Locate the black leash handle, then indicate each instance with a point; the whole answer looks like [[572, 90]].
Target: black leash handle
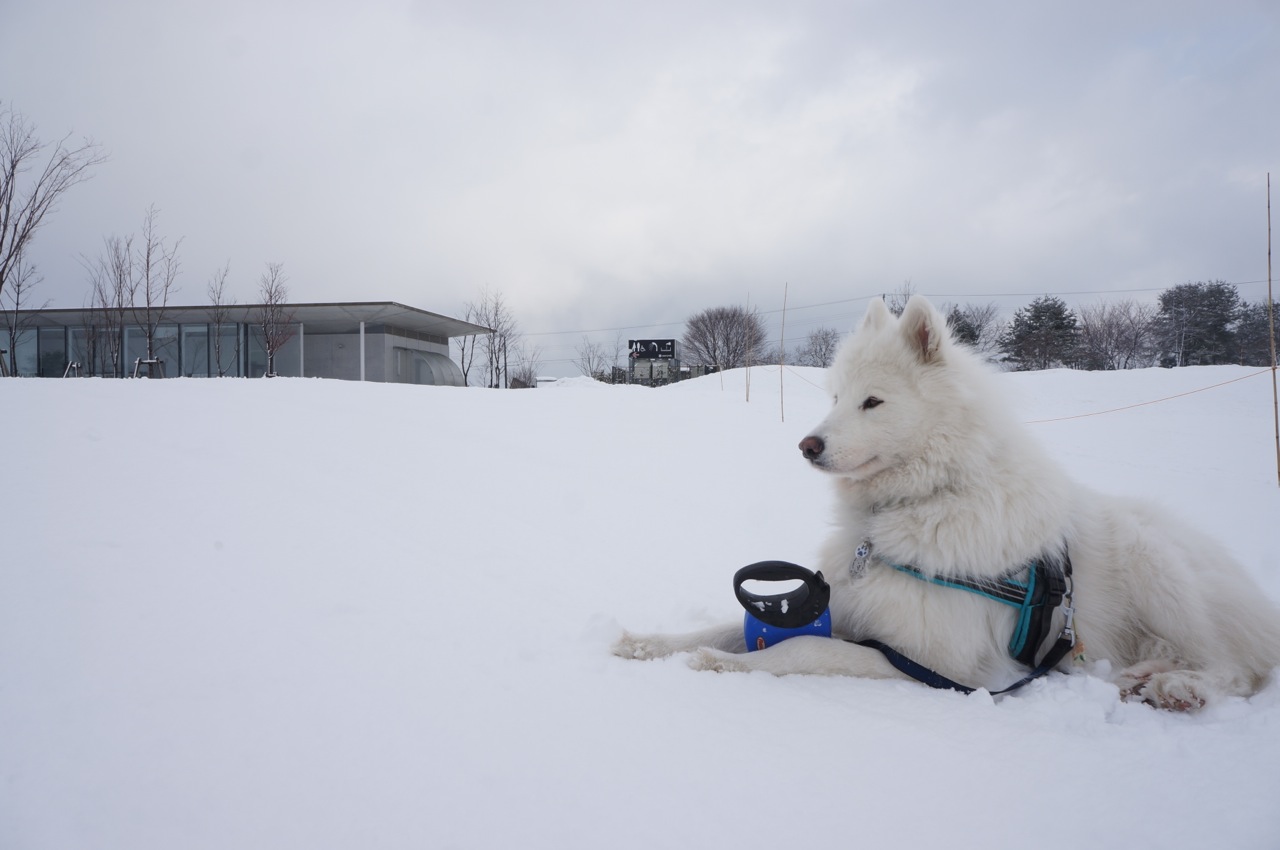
[[790, 610]]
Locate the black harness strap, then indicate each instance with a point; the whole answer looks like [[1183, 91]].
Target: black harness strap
[[934, 679]]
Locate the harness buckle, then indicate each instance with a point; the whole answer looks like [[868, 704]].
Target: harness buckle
[[1068, 626]]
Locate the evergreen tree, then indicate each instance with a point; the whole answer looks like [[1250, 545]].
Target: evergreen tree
[[1252, 330], [1196, 323], [977, 326], [963, 330], [1042, 335]]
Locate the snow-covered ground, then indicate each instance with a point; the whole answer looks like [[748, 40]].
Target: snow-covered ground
[[316, 614]]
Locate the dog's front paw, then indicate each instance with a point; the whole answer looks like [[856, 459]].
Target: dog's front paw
[[640, 647], [717, 661]]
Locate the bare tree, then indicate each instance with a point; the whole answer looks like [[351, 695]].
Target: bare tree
[[275, 320], [499, 346], [89, 353], [155, 271], [467, 345], [725, 337], [1137, 334], [131, 283], [27, 197], [592, 360], [111, 279], [773, 355], [618, 372], [528, 365], [222, 303], [897, 300], [22, 280], [1118, 336], [819, 348]]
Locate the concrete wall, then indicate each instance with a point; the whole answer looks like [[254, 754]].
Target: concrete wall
[[337, 356], [400, 365], [332, 356]]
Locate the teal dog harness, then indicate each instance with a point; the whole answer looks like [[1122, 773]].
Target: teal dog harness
[[1035, 590], [1034, 598]]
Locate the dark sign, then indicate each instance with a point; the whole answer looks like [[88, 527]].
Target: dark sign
[[652, 349]]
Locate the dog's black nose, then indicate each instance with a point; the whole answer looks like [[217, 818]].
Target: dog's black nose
[[812, 447]]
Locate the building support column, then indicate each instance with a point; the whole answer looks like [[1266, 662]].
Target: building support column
[[302, 350], [362, 351]]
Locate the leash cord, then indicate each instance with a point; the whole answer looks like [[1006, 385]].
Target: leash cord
[[934, 679]]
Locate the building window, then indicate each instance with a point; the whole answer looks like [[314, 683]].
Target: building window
[[164, 347], [288, 359], [24, 359], [224, 351], [195, 351], [89, 348], [53, 352]]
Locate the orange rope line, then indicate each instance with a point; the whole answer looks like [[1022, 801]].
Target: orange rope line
[[1153, 401], [1096, 412], [796, 374]]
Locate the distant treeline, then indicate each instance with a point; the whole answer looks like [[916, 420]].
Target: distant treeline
[[1192, 324]]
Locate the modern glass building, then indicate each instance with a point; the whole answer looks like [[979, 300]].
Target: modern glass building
[[367, 341]]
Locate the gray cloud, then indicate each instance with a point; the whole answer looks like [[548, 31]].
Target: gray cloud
[[607, 165]]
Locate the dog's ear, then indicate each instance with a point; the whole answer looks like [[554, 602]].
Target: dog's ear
[[923, 328], [877, 316]]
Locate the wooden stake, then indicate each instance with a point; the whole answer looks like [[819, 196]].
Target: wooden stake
[[1271, 321], [782, 353], [747, 373]]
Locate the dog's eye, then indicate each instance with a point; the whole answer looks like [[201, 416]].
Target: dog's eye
[[871, 401]]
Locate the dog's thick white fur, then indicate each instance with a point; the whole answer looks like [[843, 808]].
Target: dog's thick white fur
[[932, 468]]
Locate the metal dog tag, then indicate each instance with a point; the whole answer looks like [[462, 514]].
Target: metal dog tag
[[859, 563]]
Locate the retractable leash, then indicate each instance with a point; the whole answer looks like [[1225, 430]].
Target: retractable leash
[[771, 619], [804, 611]]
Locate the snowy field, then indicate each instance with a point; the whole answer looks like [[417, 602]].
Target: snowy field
[[316, 614]]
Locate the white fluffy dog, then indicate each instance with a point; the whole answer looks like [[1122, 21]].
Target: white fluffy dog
[[933, 472]]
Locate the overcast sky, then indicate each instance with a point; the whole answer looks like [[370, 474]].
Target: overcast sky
[[609, 165]]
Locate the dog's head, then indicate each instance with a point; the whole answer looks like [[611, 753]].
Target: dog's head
[[890, 393]]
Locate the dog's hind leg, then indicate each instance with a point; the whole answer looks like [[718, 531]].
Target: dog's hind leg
[[804, 654], [726, 638], [1161, 684], [1175, 690]]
